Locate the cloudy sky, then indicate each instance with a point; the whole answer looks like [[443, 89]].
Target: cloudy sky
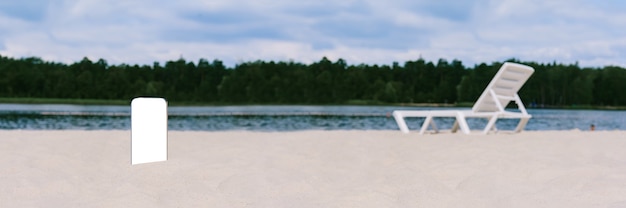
[[592, 33]]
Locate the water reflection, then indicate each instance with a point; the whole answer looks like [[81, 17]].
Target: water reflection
[[281, 118]]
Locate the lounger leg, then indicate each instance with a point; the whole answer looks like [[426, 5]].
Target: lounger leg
[[491, 124], [427, 121], [522, 124], [434, 125], [462, 123], [401, 123], [455, 126]]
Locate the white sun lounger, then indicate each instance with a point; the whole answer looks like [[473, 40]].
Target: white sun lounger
[[491, 104]]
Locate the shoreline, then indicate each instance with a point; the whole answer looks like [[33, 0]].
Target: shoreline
[[75, 101], [312, 168]]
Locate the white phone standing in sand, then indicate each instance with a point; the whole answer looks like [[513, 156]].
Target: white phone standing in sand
[[148, 130]]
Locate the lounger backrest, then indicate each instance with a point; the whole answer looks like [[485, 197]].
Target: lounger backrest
[[505, 84]]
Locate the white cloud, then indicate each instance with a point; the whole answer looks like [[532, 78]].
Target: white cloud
[[365, 31]]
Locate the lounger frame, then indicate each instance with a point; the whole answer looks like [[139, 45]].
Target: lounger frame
[[491, 105]]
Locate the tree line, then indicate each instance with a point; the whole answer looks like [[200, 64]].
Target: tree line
[[321, 82]]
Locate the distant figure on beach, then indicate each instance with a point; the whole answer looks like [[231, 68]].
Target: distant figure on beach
[[593, 127]]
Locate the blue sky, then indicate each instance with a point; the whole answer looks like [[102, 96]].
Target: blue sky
[[368, 31]]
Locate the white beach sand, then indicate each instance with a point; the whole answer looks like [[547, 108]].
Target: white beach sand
[[316, 169]]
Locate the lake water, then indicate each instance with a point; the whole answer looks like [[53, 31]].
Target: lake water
[[282, 118]]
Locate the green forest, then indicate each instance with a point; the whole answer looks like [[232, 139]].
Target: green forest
[[321, 82]]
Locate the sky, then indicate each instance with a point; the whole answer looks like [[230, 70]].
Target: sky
[[590, 33]]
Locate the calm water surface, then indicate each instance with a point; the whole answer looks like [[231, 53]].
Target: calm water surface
[[281, 118]]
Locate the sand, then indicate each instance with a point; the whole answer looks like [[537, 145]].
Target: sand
[[316, 169]]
